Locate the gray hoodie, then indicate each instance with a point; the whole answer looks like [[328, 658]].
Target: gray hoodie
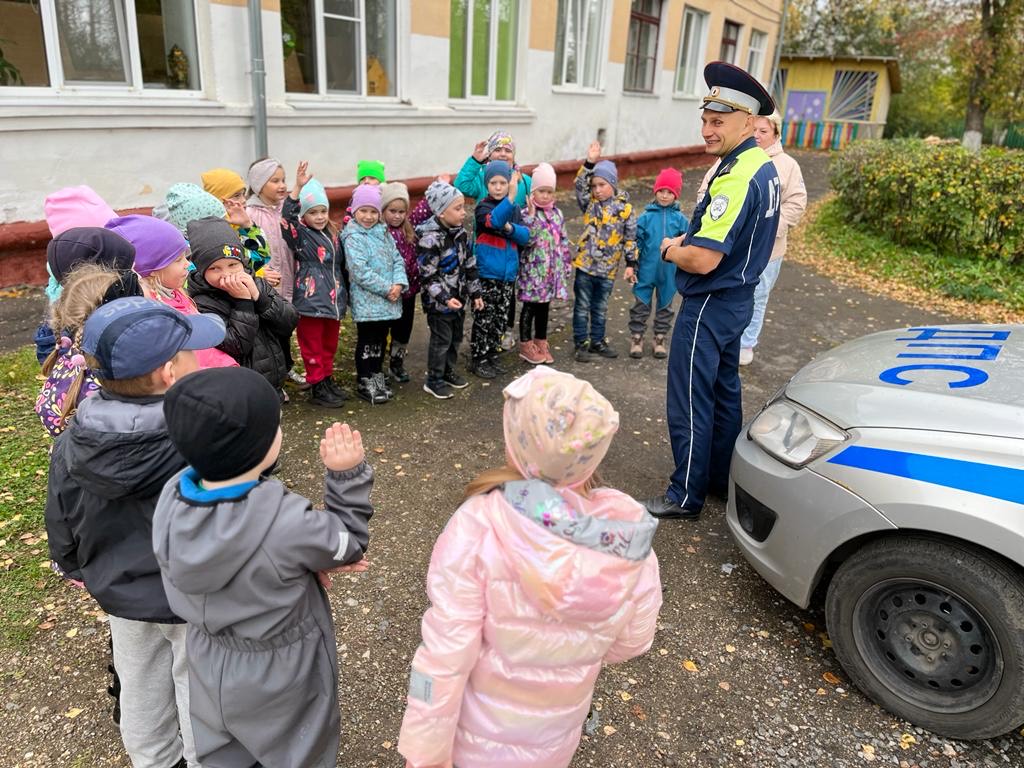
[[246, 565]]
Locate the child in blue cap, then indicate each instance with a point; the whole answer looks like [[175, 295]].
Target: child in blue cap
[[106, 473]]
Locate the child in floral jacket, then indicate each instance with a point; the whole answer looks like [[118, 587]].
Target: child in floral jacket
[[609, 236], [545, 266]]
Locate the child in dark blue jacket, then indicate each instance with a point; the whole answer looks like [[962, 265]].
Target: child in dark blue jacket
[[499, 233], [660, 219]]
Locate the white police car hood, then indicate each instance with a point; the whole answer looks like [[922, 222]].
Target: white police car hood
[[955, 378]]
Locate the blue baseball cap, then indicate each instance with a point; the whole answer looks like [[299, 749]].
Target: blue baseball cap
[[134, 336]]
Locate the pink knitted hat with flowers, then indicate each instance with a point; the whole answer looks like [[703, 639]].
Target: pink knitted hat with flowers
[[557, 427]]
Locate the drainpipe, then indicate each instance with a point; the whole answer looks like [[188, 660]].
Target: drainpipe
[[778, 50], [259, 78]]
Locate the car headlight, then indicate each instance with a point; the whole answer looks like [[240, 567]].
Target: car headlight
[[793, 435]]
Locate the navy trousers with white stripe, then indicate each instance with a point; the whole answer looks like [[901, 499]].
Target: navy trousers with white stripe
[[705, 412]]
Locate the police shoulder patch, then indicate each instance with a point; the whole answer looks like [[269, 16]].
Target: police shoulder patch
[[719, 204]]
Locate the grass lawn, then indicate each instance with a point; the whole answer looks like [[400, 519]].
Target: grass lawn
[[24, 459], [989, 290]]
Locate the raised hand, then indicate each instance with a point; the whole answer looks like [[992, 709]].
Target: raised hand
[[302, 175], [594, 151], [513, 184], [235, 213], [480, 151], [341, 447], [445, 178]]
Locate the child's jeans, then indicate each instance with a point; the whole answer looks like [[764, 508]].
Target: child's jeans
[[590, 307], [764, 287], [445, 338], [318, 343], [156, 727]]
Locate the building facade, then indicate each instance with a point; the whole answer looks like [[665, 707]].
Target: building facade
[[131, 96]]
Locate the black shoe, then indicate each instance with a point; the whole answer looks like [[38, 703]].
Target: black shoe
[[439, 389], [337, 389], [665, 508], [370, 390], [397, 369], [583, 353], [321, 394], [484, 369], [495, 362], [382, 385], [603, 350], [455, 381]]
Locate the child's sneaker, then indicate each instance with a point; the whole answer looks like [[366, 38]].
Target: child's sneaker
[[746, 355], [529, 352], [397, 367], [321, 394], [455, 381], [544, 349], [636, 345], [370, 390], [603, 350], [483, 368], [337, 389], [660, 350], [583, 353], [439, 389], [299, 379]]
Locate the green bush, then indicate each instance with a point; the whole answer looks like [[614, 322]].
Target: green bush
[[942, 195]]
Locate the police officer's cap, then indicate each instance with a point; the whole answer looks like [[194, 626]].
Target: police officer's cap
[[733, 90]]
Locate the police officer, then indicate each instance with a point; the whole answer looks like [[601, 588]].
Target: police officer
[[719, 261]]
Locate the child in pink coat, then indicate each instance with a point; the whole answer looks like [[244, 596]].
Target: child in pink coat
[[539, 579]]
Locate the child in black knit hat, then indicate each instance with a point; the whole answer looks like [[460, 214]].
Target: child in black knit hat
[[243, 560]]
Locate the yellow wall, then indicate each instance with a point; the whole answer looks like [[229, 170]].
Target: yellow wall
[[266, 5], [818, 76], [543, 18], [430, 17]]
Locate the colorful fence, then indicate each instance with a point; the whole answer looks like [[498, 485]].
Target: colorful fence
[[826, 135]]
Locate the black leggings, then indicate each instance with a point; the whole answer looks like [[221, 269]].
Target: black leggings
[[533, 320], [369, 352], [401, 329]]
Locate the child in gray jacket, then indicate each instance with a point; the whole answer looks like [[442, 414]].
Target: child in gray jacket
[[243, 560]]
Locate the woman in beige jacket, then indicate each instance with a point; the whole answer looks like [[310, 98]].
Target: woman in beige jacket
[[767, 132]]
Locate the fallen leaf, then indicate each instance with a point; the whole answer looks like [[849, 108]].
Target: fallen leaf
[[662, 652], [71, 632], [808, 627], [386, 745], [906, 740], [689, 666], [378, 450], [762, 633], [821, 692], [691, 550], [45, 625], [74, 712], [609, 730], [625, 696], [724, 686], [740, 742], [831, 679], [730, 648], [639, 713]]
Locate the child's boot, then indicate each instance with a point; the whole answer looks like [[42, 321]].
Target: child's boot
[[660, 350], [583, 352], [544, 350], [482, 368], [336, 388], [321, 394], [397, 363], [604, 350], [636, 345], [529, 351]]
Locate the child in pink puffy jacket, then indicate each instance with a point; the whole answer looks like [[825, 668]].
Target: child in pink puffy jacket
[[539, 579]]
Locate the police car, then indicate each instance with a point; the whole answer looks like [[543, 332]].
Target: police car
[[889, 474]]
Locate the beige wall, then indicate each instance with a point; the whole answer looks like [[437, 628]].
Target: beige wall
[[430, 17]]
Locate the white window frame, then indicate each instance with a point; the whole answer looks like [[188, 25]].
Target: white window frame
[[322, 94], [702, 47], [759, 52], [134, 88], [492, 67], [739, 39], [602, 55]]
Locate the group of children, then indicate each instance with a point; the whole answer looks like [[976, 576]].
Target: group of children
[[170, 339]]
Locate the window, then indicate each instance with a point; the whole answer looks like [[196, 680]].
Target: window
[[579, 43], [642, 45], [129, 43], [358, 54], [478, 29], [755, 54], [692, 45], [853, 95], [730, 42]]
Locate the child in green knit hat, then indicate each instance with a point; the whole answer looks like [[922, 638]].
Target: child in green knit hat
[[370, 172]]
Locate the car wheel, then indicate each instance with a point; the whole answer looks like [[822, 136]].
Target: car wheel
[[933, 631]]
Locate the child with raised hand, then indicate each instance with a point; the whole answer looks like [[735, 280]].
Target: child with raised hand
[[394, 201], [609, 237], [449, 280], [267, 190], [540, 577], [376, 281], [259, 322], [106, 473], [660, 219], [499, 234], [162, 264], [228, 187], [545, 266], [243, 560], [320, 296]]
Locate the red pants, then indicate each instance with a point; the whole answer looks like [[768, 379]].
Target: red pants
[[318, 342]]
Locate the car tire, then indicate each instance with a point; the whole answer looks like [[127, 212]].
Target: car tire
[[933, 631]]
